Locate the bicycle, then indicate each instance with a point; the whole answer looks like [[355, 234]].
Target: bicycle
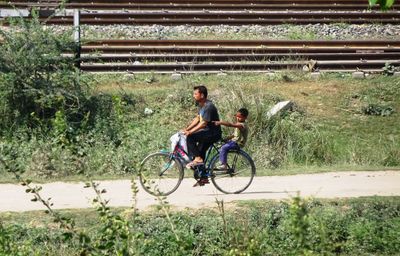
[[162, 172]]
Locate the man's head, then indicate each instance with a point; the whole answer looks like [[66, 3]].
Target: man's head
[[200, 93], [242, 114]]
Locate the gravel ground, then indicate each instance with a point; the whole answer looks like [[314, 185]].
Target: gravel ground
[[310, 32], [337, 31]]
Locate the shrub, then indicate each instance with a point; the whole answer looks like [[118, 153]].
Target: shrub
[[377, 109], [298, 139], [361, 226], [36, 79]]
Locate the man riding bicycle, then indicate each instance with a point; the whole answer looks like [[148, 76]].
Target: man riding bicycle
[[162, 172], [202, 132]]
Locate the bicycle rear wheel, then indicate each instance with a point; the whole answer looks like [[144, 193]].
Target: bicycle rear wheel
[[237, 177], [161, 174]]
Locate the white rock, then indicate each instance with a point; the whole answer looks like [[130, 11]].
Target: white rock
[[358, 75], [14, 12], [176, 76], [148, 111], [315, 75], [279, 107]]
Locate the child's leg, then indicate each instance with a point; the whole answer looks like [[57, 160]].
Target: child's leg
[[223, 154]]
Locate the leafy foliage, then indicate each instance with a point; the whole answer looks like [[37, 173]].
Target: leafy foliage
[[364, 226], [384, 4], [389, 69], [36, 78], [377, 110]]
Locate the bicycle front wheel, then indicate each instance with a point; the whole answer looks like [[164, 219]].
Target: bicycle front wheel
[[161, 174], [238, 175]]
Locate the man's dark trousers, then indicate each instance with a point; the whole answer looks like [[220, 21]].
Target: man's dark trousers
[[198, 142]]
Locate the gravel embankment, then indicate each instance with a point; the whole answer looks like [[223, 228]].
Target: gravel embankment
[[339, 31], [310, 32]]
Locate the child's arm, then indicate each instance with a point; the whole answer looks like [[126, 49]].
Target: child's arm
[[224, 123]]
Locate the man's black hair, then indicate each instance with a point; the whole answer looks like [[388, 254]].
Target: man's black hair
[[202, 89], [244, 112]]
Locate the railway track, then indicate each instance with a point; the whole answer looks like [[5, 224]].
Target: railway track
[[227, 18], [170, 18], [211, 56], [197, 4], [207, 12]]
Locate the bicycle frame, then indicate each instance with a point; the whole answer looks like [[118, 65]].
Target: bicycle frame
[[175, 161], [210, 155], [177, 153]]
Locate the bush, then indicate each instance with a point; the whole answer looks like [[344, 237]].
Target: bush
[[363, 226], [36, 79], [51, 124], [377, 110]]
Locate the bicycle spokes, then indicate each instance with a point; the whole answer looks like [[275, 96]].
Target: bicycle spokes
[[167, 166], [238, 175], [160, 174]]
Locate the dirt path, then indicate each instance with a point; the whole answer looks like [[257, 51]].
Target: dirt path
[[326, 185]]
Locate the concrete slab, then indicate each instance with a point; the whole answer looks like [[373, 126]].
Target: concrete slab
[[358, 75], [279, 107], [176, 76], [315, 75], [14, 12]]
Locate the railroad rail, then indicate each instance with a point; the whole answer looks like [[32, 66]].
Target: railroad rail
[[217, 18], [210, 56], [213, 56], [200, 4], [230, 18], [210, 12]]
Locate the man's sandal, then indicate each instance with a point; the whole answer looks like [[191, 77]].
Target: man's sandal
[[192, 164]]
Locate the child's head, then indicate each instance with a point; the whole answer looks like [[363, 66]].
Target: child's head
[[241, 114]]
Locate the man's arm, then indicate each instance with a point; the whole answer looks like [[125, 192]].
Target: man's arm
[[198, 126], [194, 122]]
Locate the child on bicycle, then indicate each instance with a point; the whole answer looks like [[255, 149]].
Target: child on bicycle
[[237, 139]]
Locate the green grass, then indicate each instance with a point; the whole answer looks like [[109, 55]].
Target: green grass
[[327, 103], [86, 218], [358, 226], [326, 131]]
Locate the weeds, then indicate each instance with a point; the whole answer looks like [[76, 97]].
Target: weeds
[[377, 110], [36, 81], [114, 237], [118, 135], [295, 227], [392, 157], [390, 69]]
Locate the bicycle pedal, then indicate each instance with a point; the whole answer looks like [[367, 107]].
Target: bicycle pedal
[[198, 184], [201, 182], [204, 181]]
